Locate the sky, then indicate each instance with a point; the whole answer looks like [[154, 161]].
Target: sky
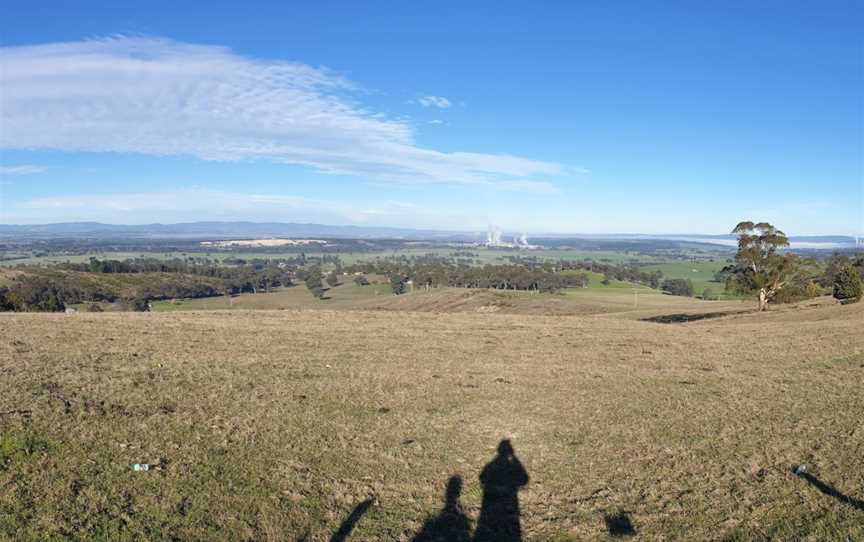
[[553, 117]]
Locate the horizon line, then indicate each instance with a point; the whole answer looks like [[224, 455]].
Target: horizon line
[[410, 228]]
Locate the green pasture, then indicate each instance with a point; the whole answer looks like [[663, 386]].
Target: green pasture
[[701, 273], [636, 301], [617, 296], [485, 255], [595, 282]]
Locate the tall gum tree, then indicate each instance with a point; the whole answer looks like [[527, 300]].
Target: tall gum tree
[[760, 267]]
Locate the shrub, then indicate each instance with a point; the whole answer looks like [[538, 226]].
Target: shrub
[[35, 294], [792, 293], [847, 285], [397, 284], [682, 287], [5, 303], [138, 303], [317, 291], [813, 290]]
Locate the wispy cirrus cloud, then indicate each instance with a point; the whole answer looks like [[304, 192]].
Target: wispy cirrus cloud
[[21, 170], [171, 200], [162, 97], [434, 101]]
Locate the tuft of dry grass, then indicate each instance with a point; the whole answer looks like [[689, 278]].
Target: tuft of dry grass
[[276, 425]]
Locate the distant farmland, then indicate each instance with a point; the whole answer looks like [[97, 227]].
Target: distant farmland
[[630, 300]]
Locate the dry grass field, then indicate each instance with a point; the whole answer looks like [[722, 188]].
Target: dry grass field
[[325, 425]]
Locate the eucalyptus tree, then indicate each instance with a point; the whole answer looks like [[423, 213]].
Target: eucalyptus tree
[[760, 267]]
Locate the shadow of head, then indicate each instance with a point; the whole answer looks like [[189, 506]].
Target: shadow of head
[[505, 448], [619, 524], [451, 524], [452, 493]]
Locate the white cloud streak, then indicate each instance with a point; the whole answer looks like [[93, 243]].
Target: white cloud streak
[[176, 200], [161, 97], [435, 101], [21, 170]]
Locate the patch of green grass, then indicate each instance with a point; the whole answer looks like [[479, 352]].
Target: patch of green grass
[[14, 444], [595, 282], [30, 259], [637, 301], [700, 273]]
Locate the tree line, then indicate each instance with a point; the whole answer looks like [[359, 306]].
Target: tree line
[[610, 271], [434, 274], [238, 276], [135, 282], [43, 289]]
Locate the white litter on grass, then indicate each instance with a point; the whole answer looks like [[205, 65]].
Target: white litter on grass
[[138, 467]]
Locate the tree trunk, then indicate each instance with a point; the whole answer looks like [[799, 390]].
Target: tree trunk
[[763, 300]]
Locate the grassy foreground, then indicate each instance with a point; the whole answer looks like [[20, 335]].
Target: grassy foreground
[[286, 425]]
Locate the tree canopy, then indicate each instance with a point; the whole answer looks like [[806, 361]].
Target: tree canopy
[[760, 268], [848, 286], [682, 287]]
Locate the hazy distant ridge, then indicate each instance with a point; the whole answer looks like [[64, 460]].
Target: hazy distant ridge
[[221, 230], [246, 230]]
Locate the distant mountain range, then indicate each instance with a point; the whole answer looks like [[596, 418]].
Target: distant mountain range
[[257, 230], [215, 230]]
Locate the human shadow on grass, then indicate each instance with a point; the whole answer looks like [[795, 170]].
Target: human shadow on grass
[[502, 478], [619, 524], [499, 520], [348, 525], [451, 524], [829, 490]]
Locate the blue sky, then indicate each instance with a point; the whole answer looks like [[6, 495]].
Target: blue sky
[[653, 117]]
